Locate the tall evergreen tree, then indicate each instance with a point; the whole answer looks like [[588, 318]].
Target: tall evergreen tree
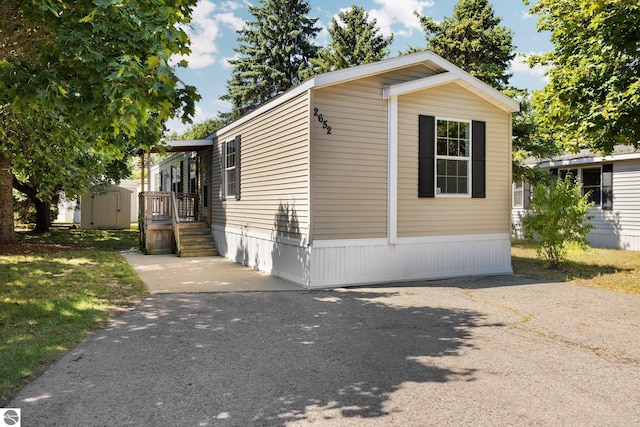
[[275, 49], [474, 40], [355, 40]]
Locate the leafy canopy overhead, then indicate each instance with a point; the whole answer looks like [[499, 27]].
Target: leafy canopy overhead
[[82, 84], [355, 40], [274, 53], [593, 96]]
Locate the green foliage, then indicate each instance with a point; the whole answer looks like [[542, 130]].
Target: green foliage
[[85, 83], [593, 96], [355, 40], [201, 130], [474, 40], [274, 53], [557, 217], [527, 142]]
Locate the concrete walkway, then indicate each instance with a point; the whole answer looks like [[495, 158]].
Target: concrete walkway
[[169, 274]]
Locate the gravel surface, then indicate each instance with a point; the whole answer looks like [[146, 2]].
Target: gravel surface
[[482, 351]]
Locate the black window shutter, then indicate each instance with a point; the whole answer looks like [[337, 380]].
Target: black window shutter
[[607, 187], [223, 168], [478, 149], [237, 171], [426, 155], [526, 194]]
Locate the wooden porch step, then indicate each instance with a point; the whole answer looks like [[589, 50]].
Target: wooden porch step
[[196, 240]]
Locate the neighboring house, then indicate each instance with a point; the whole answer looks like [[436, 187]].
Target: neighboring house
[[613, 184], [397, 170]]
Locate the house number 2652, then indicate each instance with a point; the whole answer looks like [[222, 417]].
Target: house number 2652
[[325, 123]]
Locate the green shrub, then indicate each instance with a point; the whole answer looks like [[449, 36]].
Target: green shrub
[[557, 217]]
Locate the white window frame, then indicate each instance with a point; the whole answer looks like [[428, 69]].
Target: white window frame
[[599, 186], [518, 190], [467, 158], [579, 178]]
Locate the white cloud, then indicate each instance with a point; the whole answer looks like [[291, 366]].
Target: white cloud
[[176, 125], [519, 65], [395, 12], [526, 15], [207, 23]]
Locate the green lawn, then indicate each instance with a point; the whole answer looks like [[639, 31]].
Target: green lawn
[[56, 288], [602, 268]]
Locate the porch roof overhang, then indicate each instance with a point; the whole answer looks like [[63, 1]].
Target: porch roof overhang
[[180, 146], [188, 145]]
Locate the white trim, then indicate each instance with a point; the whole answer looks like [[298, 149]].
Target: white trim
[[191, 143], [468, 158], [587, 160], [453, 238], [347, 243], [418, 84], [392, 190], [342, 76]]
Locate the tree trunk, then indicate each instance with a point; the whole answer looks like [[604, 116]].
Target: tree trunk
[[43, 217], [7, 234]]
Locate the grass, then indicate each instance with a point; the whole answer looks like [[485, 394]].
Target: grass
[[601, 268], [55, 289]]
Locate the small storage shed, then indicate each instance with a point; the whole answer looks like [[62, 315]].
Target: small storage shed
[[396, 170], [108, 211]]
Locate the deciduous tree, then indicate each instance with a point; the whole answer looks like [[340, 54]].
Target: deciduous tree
[[80, 75], [593, 96]]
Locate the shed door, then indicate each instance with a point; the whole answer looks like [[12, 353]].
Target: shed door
[[105, 211]]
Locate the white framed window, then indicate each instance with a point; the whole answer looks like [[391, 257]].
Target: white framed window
[[453, 157], [518, 194], [592, 184], [231, 169]]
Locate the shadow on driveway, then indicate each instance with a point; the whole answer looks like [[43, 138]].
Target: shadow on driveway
[[252, 359]]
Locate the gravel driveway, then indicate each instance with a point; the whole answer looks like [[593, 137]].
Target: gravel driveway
[[484, 351]]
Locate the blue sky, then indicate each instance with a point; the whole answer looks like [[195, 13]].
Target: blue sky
[[214, 25]]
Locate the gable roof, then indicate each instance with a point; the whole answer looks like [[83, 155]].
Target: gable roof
[[445, 72]]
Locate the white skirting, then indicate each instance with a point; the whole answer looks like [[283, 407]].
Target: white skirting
[[333, 263]]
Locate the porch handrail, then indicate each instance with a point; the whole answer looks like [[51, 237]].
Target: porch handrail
[[175, 221]]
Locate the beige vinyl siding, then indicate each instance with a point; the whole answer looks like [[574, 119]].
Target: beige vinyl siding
[[274, 177], [453, 215], [350, 164]]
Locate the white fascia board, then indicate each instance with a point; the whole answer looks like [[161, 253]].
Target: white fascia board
[[189, 143], [486, 92], [493, 95], [418, 84], [588, 160], [332, 78], [292, 93]]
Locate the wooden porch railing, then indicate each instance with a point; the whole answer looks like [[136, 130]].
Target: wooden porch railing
[[163, 211]]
